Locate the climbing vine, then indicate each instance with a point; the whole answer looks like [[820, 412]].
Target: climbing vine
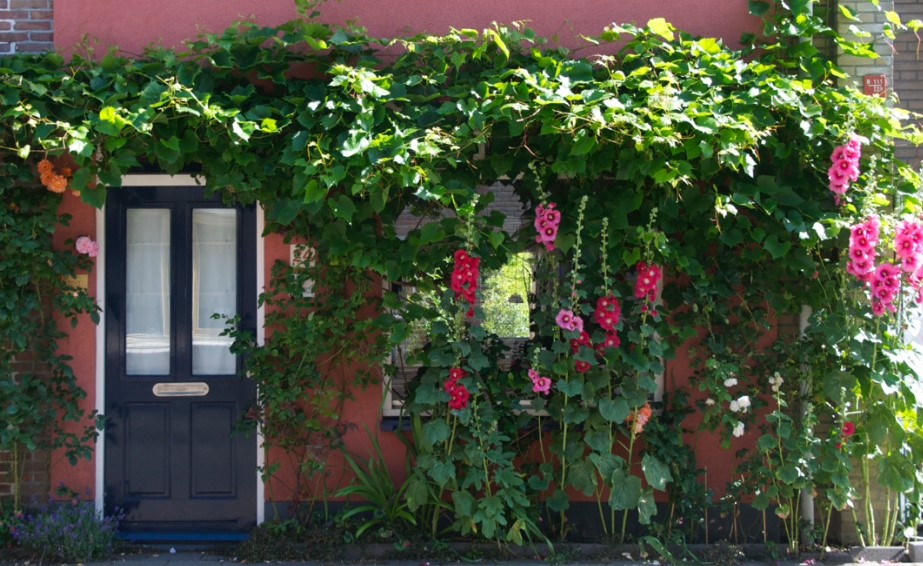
[[691, 192]]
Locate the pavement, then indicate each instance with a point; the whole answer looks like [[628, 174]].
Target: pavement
[[195, 558]]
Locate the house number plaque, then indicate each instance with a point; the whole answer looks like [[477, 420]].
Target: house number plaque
[[192, 389]]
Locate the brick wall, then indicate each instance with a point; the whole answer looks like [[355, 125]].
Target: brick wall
[[26, 26], [908, 73], [873, 20], [34, 468]]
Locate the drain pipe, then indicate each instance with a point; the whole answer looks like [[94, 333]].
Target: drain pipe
[[807, 493]]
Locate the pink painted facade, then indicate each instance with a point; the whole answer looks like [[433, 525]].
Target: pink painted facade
[[132, 25]]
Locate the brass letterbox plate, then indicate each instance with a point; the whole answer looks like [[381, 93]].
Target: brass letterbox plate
[[189, 389]]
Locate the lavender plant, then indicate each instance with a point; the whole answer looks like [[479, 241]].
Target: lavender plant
[[69, 532]]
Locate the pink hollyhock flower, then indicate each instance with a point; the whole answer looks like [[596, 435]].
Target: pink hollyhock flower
[[845, 167], [862, 241], [546, 224], [540, 384], [565, 319], [568, 321], [86, 245]]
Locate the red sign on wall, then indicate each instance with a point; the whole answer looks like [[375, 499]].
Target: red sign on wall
[[875, 85]]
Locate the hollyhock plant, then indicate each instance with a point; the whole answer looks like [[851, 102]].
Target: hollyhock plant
[[885, 285], [608, 313], [646, 285], [862, 254], [582, 340], [568, 321], [849, 429], [547, 220], [465, 277], [86, 245], [845, 167], [908, 245], [610, 341], [458, 393], [540, 384]]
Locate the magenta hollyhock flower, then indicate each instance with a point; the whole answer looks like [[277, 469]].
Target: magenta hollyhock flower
[[466, 275], [608, 313], [648, 278]]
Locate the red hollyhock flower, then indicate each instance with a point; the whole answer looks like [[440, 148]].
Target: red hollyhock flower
[[583, 340], [849, 429]]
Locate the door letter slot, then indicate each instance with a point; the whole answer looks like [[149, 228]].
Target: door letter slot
[[191, 389]]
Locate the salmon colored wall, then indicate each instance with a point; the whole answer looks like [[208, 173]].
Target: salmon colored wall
[[135, 24], [80, 344], [362, 411], [132, 25]]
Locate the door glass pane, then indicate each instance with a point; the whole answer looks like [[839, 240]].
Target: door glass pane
[[214, 289], [147, 309]]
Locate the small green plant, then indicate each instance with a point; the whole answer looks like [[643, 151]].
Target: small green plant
[[9, 519], [382, 500], [69, 532]]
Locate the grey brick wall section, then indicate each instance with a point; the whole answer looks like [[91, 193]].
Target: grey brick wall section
[[505, 200], [873, 20], [26, 26], [908, 73]]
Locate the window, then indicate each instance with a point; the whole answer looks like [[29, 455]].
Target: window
[[404, 362], [301, 258], [504, 299]]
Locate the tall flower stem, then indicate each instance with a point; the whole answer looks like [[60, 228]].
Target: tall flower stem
[[631, 451]]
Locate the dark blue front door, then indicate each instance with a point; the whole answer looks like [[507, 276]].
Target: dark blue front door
[[174, 460]]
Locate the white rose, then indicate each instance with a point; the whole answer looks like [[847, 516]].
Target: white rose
[[735, 406], [730, 382], [709, 401], [738, 429], [743, 403]]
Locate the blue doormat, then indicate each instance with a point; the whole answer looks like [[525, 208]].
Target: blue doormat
[[182, 537]]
